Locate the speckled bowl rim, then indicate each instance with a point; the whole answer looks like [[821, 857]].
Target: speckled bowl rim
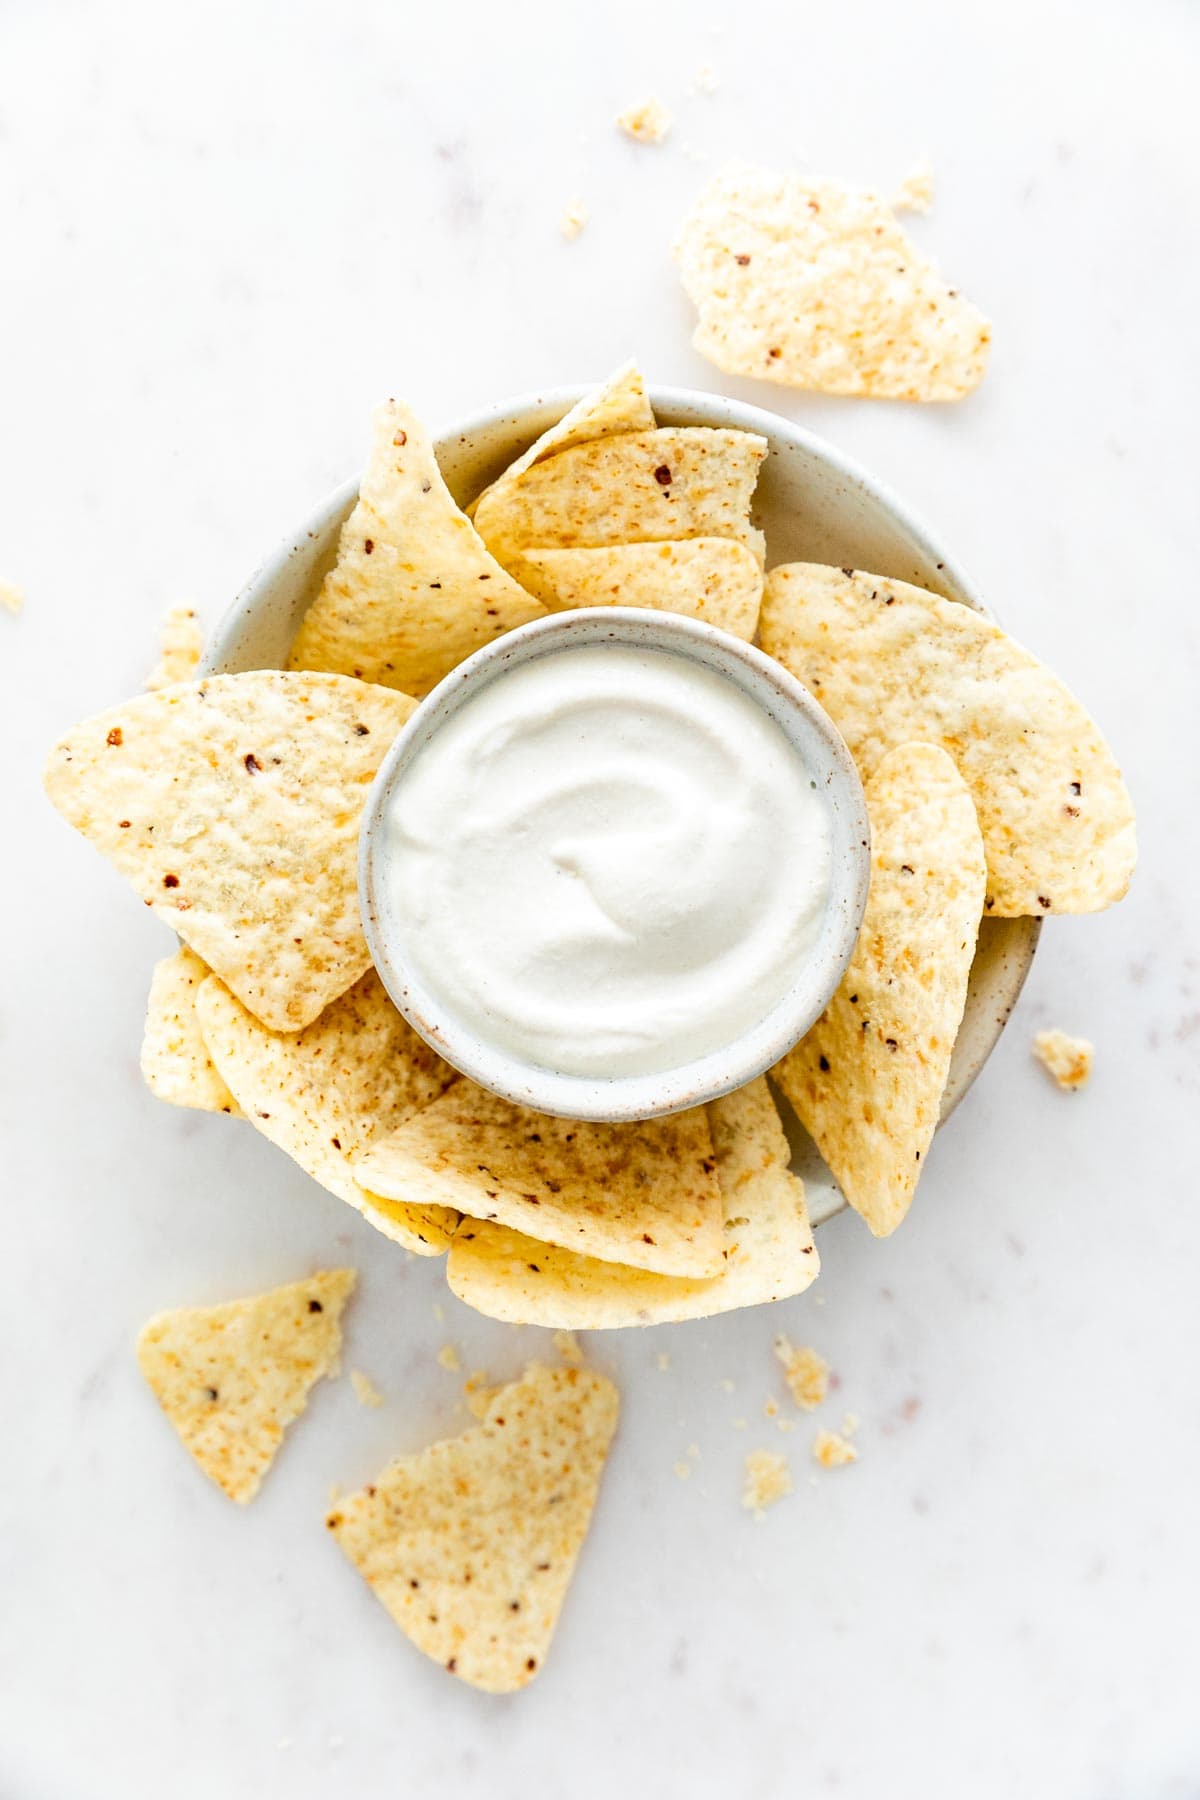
[[817, 742]]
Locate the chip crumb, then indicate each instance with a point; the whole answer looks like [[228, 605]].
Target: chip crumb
[[706, 80], [449, 1358], [739, 1424], [768, 1479], [574, 217], [647, 123], [683, 1470], [568, 1346], [805, 1371], [664, 1359], [365, 1391], [1068, 1059], [693, 1450], [12, 598], [849, 1424], [439, 1312], [916, 191], [831, 1450], [181, 645], [771, 1408]]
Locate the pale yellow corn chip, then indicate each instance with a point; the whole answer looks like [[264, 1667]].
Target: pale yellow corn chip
[[867, 1080], [894, 664], [232, 1378], [413, 591], [644, 1194], [642, 487], [815, 285], [713, 579], [617, 406], [180, 648], [471, 1543], [769, 1249], [176, 1065], [1068, 1059], [326, 1093], [232, 804]]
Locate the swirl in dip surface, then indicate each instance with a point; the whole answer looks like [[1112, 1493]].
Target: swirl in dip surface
[[608, 861]]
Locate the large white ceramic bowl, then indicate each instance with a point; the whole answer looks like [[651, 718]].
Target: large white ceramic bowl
[[814, 505]]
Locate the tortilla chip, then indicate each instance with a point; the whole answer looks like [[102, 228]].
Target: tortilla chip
[[180, 648], [232, 804], [769, 1249], [867, 1080], [176, 1066], [685, 481], [232, 1378], [714, 579], [413, 591], [815, 285], [326, 1093], [893, 664], [644, 1194], [618, 405], [471, 1543]]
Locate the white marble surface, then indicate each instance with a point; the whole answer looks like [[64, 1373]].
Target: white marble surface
[[225, 232]]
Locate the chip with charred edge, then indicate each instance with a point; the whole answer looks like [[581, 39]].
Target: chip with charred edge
[[617, 405], [685, 481], [326, 1093], [644, 1194], [232, 805], [471, 1543], [815, 285], [867, 1080], [769, 1249], [176, 1066], [714, 579], [894, 664], [232, 1378], [413, 591]]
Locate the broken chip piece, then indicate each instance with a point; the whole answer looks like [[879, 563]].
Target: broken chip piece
[[471, 1543], [805, 1371], [175, 1063], [814, 284], [648, 122], [1067, 1059], [413, 591], [867, 1079], [232, 805], [232, 1378], [833, 1450], [894, 664]]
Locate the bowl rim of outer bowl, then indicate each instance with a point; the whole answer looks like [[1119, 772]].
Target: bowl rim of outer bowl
[[818, 745]]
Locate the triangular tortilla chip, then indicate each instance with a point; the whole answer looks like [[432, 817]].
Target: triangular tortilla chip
[[232, 1378], [714, 579], [232, 804], [867, 1080], [471, 1543], [815, 285], [769, 1249], [684, 481], [644, 1194], [176, 1066], [413, 591], [325, 1093], [617, 405], [894, 664]]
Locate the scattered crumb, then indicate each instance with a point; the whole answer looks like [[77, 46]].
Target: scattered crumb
[[365, 1391], [785, 1424], [449, 1358], [648, 123], [568, 1346], [771, 1408], [664, 1359], [739, 1424], [683, 1470], [1068, 1059], [12, 599], [574, 217], [805, 1371], [693, 1450], [439, 1312], [768, 1479], [727, 1386], [915, 193], [335, 1492], [706, 80], [181, 645], [832, 1450], [849, 1424]]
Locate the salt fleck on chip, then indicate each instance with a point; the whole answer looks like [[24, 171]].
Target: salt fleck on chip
[[1068, 1059], [832, 1450], [805, 1371], [647, 123], [449, 1358], [365, 1391], [574, 217], [916, 191], [768, 1479], [12, 599]]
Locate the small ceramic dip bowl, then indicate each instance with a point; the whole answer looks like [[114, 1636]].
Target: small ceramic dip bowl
[[778, 714]]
